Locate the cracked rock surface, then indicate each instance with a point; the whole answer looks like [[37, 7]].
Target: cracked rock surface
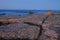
[[18, 29]]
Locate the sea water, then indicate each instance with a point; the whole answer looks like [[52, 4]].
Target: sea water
[[24, 12]]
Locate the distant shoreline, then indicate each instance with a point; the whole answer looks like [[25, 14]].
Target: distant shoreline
[[24, 12]]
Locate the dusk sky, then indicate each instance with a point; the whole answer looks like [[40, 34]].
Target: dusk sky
[[30, 4]]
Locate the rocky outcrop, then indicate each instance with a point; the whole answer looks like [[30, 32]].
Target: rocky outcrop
[[32, 27]]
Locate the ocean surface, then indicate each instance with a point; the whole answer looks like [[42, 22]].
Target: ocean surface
[[24, 12]]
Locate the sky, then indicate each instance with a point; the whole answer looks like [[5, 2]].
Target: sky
[[30, 4]]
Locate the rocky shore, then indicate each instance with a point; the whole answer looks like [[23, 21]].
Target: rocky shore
[[30, 27]]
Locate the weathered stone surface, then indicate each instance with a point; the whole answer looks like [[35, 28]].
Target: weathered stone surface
[[18, 29]]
